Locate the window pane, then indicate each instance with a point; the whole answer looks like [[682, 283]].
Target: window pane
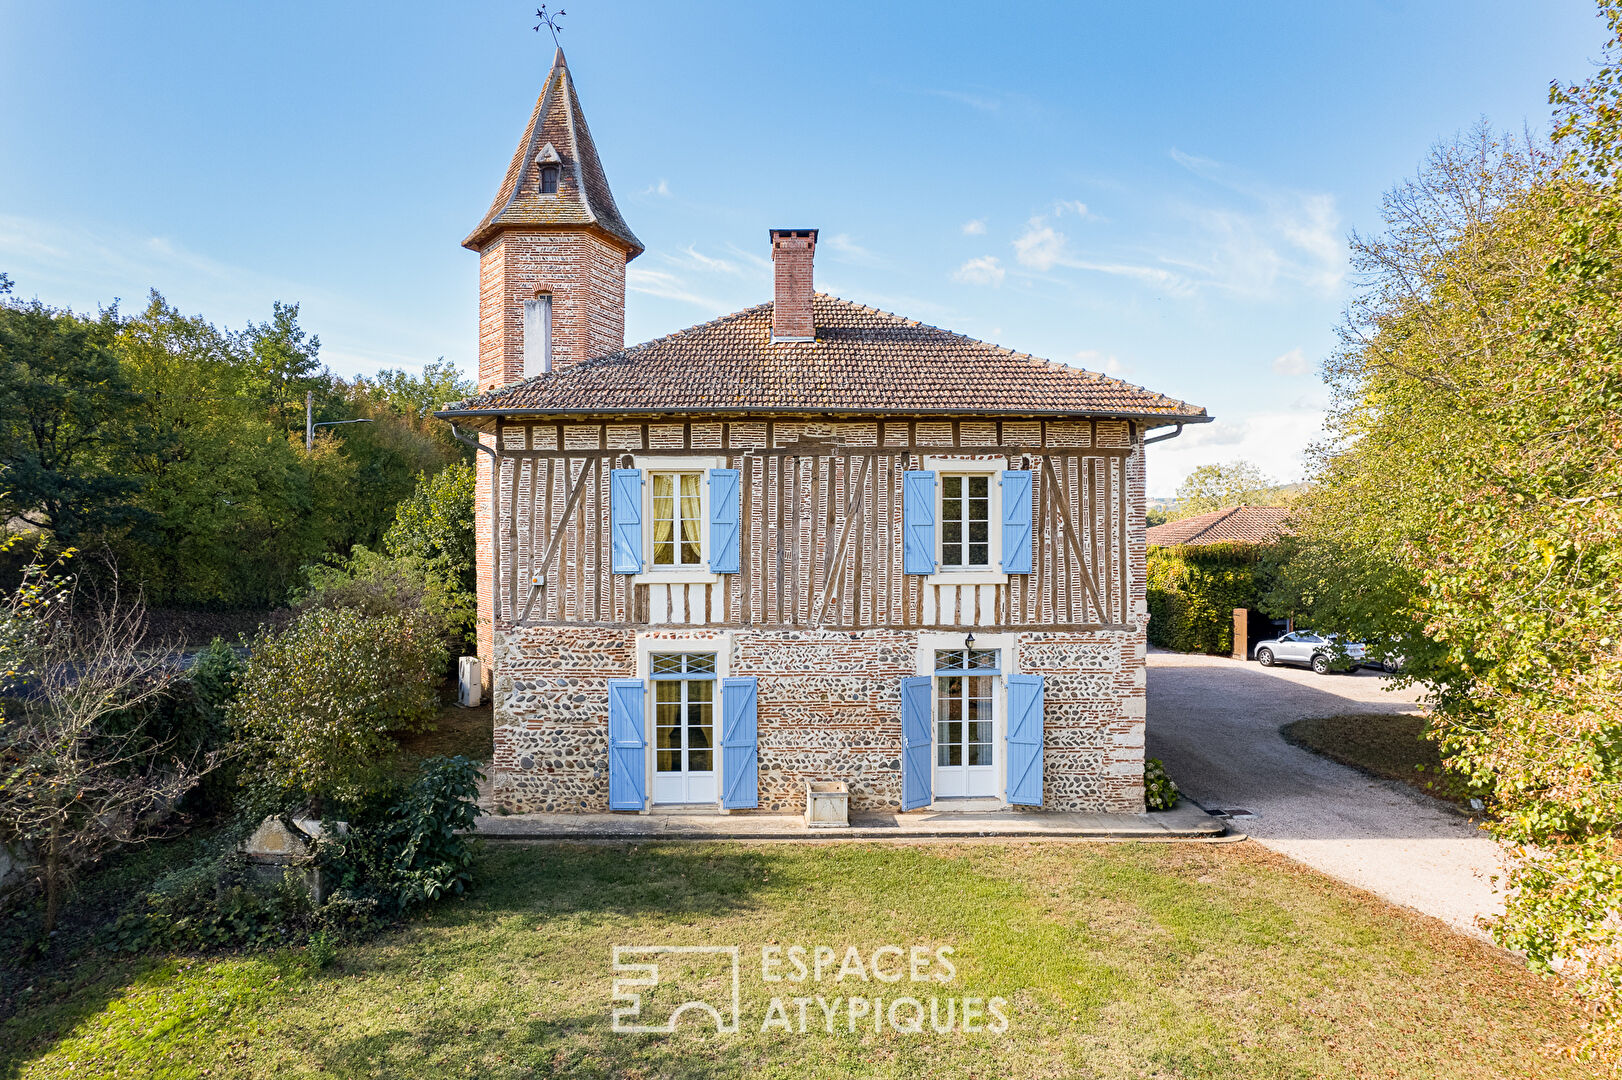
[[979, 486], [947, 659], [980, 753], [666, 692], [665, 663], [979, 555], [701, 662], [668, 761], [699, 761], [979, 532], [698, 727], [952, 487], [664, 528], [983, 659], [690, 553], [700, 690]]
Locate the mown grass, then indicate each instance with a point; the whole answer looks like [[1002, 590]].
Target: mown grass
[[1117, 961], [1393, 746]]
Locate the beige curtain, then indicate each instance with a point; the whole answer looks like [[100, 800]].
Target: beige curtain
[[664, 526], [689, 518]]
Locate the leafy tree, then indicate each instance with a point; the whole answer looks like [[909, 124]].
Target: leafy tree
[[67, 414], [1216, 487], [1469, 503], [282, 365], [435, 524]]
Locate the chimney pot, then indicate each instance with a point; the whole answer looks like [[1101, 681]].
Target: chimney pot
[[792, 253]]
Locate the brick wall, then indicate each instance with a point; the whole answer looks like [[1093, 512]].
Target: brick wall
[[584, 272]]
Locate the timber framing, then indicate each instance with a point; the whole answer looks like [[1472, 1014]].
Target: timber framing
[[820, 544]]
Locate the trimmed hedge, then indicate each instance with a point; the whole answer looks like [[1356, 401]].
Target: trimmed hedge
[[1193, 591]]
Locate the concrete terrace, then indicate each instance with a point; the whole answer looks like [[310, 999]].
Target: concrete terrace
[[1185, 822]]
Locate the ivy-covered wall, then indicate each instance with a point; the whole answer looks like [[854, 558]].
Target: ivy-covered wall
[[1193, 591]]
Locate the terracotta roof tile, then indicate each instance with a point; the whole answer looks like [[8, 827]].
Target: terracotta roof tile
[[1235, 525], [863, 361]]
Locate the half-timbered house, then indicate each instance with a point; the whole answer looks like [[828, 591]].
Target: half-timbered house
[[810, 540]]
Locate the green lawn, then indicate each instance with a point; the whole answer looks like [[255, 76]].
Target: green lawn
[[1392, 746], [1115, 960]]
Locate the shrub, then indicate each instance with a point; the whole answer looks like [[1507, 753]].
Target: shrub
[[1159, 793], [1193, 591], [408, 847], [379, 585], [320, 703]]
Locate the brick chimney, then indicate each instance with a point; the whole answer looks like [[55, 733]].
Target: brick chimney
[[792, 251]]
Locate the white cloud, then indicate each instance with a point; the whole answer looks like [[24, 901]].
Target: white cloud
[[1039, 247], [1071, 206], [668, 286], [977, 227], [1272, 236], [1094, 360], [1275, 442], [846, 246], [986, 270], [1293, 362], [661, 189]]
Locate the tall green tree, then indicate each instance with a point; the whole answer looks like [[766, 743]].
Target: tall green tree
[[1219, 486], [67, 416], [1469, 506]]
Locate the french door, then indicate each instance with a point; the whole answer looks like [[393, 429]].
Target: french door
[[684, 764], [965, 723]]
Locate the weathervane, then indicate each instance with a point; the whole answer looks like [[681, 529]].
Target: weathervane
[[550, 22]]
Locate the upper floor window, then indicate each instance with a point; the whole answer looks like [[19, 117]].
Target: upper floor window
[[966, 521], [549, 180], [677, 518]]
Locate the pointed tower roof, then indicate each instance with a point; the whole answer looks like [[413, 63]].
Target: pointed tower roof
[[557, 134]]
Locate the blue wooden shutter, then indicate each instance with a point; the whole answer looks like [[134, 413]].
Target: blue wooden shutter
[[1016, 521], [740, 757], [625, 510], [918, 521], [627, 758], [917, 743], [1025, 740], [725, 521]]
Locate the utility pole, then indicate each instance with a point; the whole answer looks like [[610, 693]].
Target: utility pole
[[310, 425]]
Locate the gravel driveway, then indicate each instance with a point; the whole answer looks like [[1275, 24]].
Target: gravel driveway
[[1215, 721]]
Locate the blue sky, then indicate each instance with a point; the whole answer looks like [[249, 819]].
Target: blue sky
[[1159, 191]]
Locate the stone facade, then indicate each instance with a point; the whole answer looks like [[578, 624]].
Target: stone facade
[[829, 708]]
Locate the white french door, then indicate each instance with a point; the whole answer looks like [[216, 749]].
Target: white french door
[[684, 764], [966, 683]]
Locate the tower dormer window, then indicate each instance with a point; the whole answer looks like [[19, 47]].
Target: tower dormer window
[[549, 179]]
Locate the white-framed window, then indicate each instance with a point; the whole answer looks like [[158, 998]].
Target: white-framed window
[[538, 335], [965, 521], [675, 519], [968, 513]]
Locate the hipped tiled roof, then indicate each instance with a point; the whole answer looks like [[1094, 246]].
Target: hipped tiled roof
[[862, 361], [582, 197], [1235, 525]]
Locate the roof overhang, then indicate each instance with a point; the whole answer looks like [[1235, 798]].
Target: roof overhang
[[1147, 420]]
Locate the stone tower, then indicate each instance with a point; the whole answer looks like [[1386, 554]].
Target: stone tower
[[552, 254]]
